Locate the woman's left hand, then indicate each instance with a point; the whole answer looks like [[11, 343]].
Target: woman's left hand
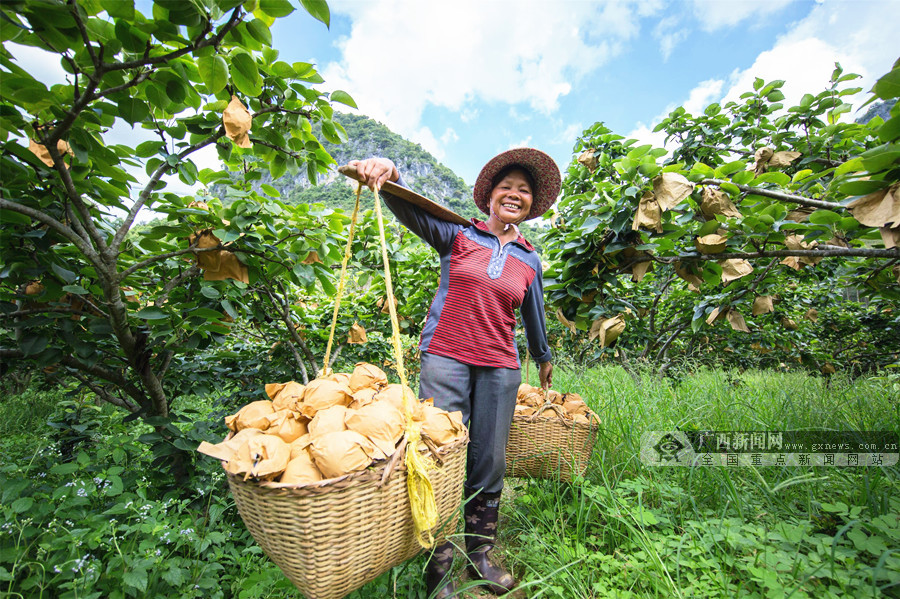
[[546, 375]]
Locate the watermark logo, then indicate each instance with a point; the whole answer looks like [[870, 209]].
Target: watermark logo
[[666, 448], [771, 448]]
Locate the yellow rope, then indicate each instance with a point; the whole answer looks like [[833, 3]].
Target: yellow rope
[[340, 291], [418, 485]]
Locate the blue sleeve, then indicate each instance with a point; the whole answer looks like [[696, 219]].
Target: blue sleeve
[[436, 232], [532, 311]]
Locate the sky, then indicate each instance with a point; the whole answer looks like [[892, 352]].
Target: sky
[[468, 80]]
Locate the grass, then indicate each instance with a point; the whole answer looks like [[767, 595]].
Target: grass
[[625, 529], [631, 530]]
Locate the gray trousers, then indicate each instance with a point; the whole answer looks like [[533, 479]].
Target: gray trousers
[[486, 397]]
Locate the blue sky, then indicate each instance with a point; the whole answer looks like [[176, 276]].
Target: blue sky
[[470, 79]]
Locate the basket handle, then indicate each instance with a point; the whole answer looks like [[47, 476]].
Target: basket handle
[[550, 405]]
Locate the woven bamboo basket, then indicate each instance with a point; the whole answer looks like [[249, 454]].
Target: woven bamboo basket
[[553, 448], [331, 538]]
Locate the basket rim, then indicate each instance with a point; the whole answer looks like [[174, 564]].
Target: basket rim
[[593, 425], [350, 479]]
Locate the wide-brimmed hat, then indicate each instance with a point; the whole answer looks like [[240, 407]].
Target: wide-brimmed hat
[[542, 168]]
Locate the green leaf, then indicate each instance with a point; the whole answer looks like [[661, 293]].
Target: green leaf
[[115, 486], [644, 516], [214, 72], [343, 97], [210, 292], [731, 189], [119, 9], [824, 217], [731, 167], [21, 505], [245, 75], [742, 178], [710, 226], [881, 157], [318, 9], [34, 344], [207, 313], [229, 309], [260, 31], [276, 8], [66, 275], [327, 285], [148, 148], [76, 289], [590, 224], [858, 188], [175, 576], [277, 166], [136, 578], [151, 313], [888, 86], [133, 110], [890, 130], [270, 191], [848, 223], [774, 177]]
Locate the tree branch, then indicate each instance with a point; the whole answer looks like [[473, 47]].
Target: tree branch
[[193, 271], [84, 34], [270, 109], [825, 161], [139, 78], [57, 226], [290, 153], [104, 394], [828, 251], [832, 251], [777, 195], [76, 224], [148, 61], [665, 347], [144, 263], [151, 185], [87, 221]]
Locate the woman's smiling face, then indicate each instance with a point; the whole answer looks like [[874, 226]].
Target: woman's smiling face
[[511, 197]]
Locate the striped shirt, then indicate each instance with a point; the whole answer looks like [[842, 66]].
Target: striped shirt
[[473, 315]]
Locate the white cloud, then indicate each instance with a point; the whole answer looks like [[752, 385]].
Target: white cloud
[[804, 58], [402, 56], [715, 14], [469, 114], [700, 97], [449, 136], [569, 134], [40, 64], [854, 34], [644, 134], [669, 32]]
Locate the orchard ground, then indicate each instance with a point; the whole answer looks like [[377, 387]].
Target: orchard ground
[[84, 514]]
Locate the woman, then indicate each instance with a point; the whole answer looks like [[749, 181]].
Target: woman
[[469, 359]]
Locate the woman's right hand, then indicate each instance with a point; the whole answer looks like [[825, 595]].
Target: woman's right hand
[[375, 171]]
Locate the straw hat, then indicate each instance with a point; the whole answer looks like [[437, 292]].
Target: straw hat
[[542, 168]]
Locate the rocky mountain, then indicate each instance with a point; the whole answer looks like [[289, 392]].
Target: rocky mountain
[[366, 138], [881, 108]]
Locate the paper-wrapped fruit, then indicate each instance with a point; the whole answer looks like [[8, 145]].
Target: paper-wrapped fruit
[[335, 425], [569, 406]]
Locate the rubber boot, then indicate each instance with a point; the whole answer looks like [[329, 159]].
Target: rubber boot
[[437, 573], [482, 515]]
